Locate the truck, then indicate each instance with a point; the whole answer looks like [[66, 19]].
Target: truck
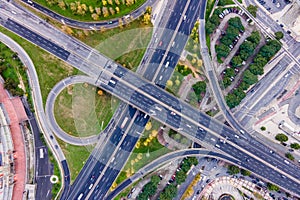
[[124, 122], [41, 153]]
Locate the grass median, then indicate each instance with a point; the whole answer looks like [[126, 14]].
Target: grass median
[[146, 150]]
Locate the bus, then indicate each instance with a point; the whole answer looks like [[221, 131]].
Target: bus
[[124, 122], [41, 153]]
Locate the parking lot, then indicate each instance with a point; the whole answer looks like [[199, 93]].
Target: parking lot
[[273, 6]]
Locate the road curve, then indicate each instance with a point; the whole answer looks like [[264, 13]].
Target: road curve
[[39, 110], [164, 159], [80, 141], [89, 25]]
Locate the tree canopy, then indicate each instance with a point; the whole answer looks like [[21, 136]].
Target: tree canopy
[[281, 137]]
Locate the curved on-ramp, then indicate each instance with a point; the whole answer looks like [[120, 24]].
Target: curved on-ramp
[[50, 111], [164, 159], [112, 23]]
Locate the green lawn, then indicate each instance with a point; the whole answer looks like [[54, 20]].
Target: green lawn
[[76, 156], [80, 111], [126, 45], [87, 17]]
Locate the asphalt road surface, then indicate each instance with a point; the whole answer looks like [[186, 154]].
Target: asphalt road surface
[[131, 88]]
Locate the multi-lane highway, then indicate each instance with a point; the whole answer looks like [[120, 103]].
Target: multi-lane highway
[[164, 107], [174, 28]]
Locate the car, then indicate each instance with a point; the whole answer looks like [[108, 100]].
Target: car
[[281, 25], [271, 151], [269, 9], [288, 32], [172, 113], [291, 150], [110, 22], [160, 43], [132, 190], [161, 177], [278, 5]]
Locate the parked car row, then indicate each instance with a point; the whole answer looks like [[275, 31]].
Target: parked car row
[[230, 10]]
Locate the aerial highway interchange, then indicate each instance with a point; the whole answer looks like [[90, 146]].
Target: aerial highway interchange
[[143, 99]]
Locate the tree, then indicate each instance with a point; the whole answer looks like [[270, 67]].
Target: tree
[[252, 10], [222, 50], [279, 35], [95, 16], [295, 145], [98, 10], [232, 32], [229, 72], [148, 126], [117, 2], [105, 12], [155, 179], [142, 196], [62, 5], [150, 188], [281, 137], [169, 193], [193, 161], [169, 83], [226, 81], [236, 22], [254, 37], [232, 169], [248, 47], [199, 87], [245, 172], [249, 78], [91, 9], [146, 18], [209, 27], [260, 60], [236, 61], [289, 156], [256, 70], [73, 7], [117, 9], [231, 100], [263, 128], [129, 2], [272, 187], [180, 177]]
